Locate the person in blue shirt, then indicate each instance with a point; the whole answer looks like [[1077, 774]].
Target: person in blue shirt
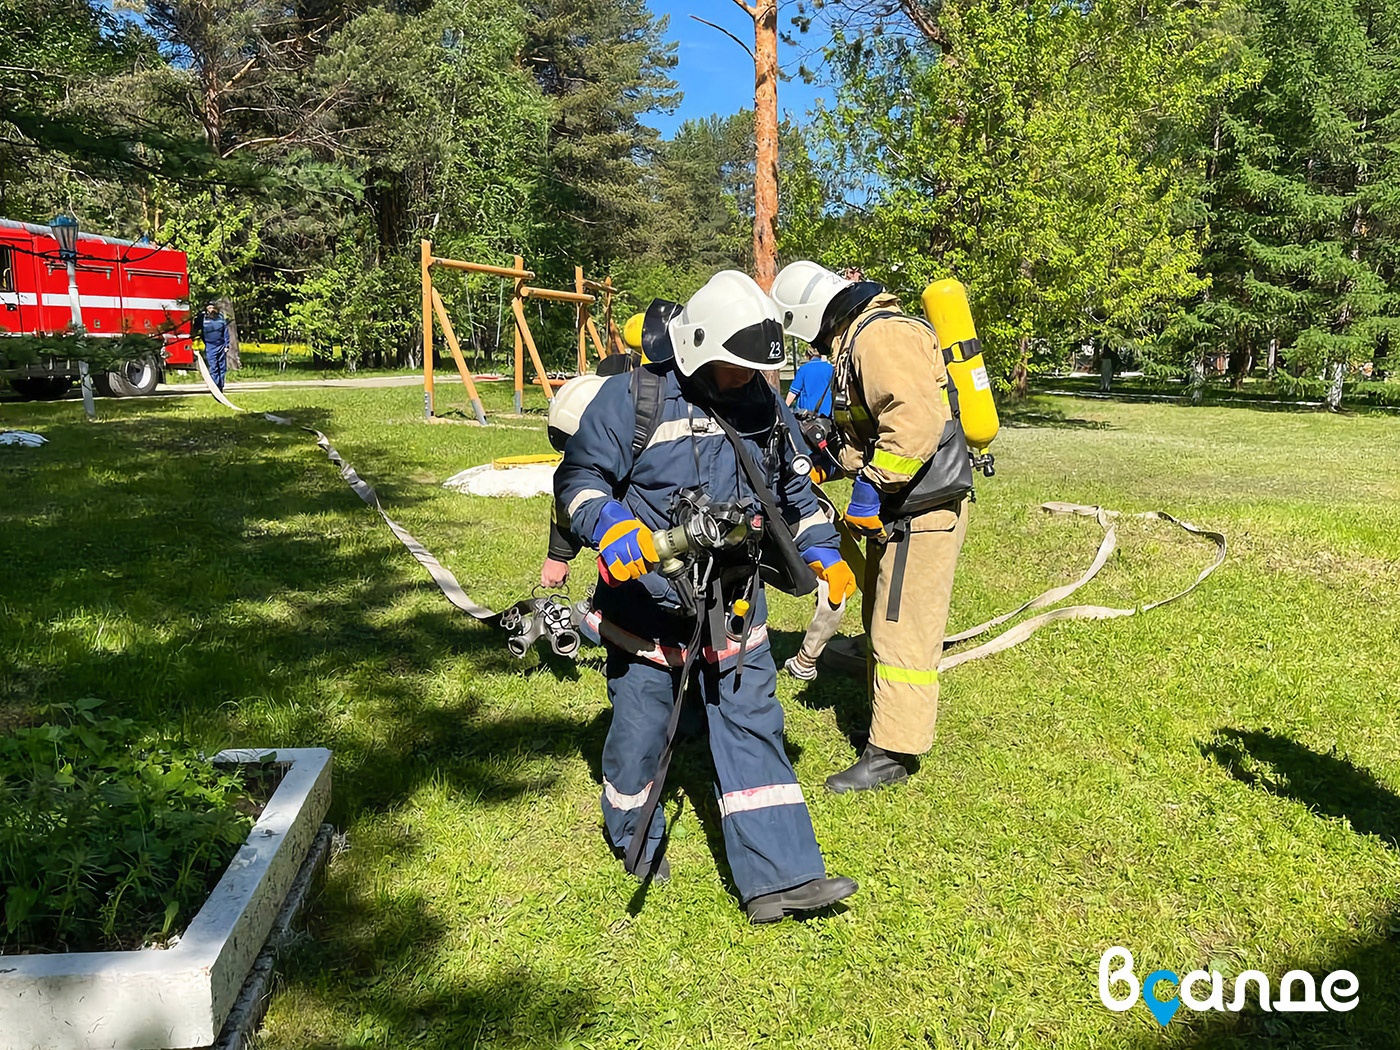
[[811, 387]]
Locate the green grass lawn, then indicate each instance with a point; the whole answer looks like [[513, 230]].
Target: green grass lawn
[[273, 362], [1212, 784]]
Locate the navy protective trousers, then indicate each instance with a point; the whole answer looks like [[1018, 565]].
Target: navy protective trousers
[[768, 832], [216, 356]]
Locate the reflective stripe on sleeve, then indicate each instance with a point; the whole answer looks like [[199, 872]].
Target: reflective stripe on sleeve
[[815, 518], [899, 464], [618, 800], [583, 497], [908, 675], [760, 798]]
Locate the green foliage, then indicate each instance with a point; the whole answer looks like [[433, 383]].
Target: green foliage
[[1028, 158], [220, 239], [1302, 192], [102, 353], [74, 132], [106, 843], [601, 64]]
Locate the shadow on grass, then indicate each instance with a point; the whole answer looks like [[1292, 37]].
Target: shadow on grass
[[1214, 397], [1331, 786], [1038, 415], [247, 587], [377, 938], [845, 696]]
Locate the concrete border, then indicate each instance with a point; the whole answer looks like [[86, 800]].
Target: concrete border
[[251, 1007], [180, 996]]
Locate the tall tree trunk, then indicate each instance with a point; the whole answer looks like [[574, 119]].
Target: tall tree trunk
[[765, 98], [1021, 374], [1334, 390]]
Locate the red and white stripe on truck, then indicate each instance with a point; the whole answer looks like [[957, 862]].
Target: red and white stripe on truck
[[123, 286]]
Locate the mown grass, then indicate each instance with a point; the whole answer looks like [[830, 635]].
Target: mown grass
[[1211, 784], [271, 362]]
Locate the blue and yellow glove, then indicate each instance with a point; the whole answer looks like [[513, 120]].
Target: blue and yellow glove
[[624, 543], [829, 566], [824, 466], [863, 514]]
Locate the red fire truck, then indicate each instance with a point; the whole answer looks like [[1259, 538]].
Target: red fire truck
[[123, 286]]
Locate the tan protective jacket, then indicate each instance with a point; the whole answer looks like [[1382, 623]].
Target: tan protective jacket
[[897, 388]]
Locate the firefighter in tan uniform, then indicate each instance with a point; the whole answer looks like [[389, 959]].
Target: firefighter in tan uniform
[[903, 445]]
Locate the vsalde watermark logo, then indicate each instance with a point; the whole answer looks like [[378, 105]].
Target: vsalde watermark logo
[[1119, 989]]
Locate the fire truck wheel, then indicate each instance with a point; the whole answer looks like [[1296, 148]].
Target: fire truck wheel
[[136, 378], [41, 388]]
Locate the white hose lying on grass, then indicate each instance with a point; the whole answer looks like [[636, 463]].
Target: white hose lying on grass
[[447, 583], [454, 592]]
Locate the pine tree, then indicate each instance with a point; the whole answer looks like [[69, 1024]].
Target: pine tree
[[1301, 196], [602, 64]]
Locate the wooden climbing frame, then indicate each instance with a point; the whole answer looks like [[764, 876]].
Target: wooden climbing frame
[[585, 294]]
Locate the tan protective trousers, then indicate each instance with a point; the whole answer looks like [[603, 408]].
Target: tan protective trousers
[[902, 665]]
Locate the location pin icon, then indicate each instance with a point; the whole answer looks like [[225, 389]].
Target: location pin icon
[[1163, 1011]]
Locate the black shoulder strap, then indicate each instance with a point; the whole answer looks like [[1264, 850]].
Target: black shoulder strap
[[877, 316], [799, 579], [649, 397]]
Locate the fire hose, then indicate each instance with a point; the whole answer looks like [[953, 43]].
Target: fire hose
[[561, 624]]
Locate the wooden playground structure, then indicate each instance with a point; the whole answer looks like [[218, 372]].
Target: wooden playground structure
[[586, 293]]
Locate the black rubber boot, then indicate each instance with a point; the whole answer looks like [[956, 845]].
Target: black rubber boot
[[810, 896], [875, 768]]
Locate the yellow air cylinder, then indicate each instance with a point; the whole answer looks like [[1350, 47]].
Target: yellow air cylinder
[[945, 306], [632, 331]]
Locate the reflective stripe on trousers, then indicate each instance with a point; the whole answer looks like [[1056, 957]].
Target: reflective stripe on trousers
[[768, 836], [905, 652]]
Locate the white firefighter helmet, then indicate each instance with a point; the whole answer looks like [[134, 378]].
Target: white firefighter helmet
[[813, 301], [567, 407], [728, 320]]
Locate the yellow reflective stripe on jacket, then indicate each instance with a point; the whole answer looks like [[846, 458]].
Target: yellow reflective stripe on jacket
[[891, 673], [898, 464]]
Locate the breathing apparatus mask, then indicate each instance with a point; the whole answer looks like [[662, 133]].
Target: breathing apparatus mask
[[703, 528]]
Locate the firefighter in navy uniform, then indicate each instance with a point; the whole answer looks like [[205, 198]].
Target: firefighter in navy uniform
[[904, 447], [710, 441]]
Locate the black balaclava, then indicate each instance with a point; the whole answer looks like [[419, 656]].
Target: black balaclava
[[749, 409]]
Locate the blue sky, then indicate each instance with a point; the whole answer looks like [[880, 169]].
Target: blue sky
[[714, 73]]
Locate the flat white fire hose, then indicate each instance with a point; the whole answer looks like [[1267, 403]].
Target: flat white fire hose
[[827, 620], [1018, 634], [447, 583]]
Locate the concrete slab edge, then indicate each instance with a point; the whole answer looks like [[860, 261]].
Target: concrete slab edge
[[180, 996], [251, 1005]]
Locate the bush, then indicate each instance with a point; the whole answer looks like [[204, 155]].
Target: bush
[[105, 845]]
